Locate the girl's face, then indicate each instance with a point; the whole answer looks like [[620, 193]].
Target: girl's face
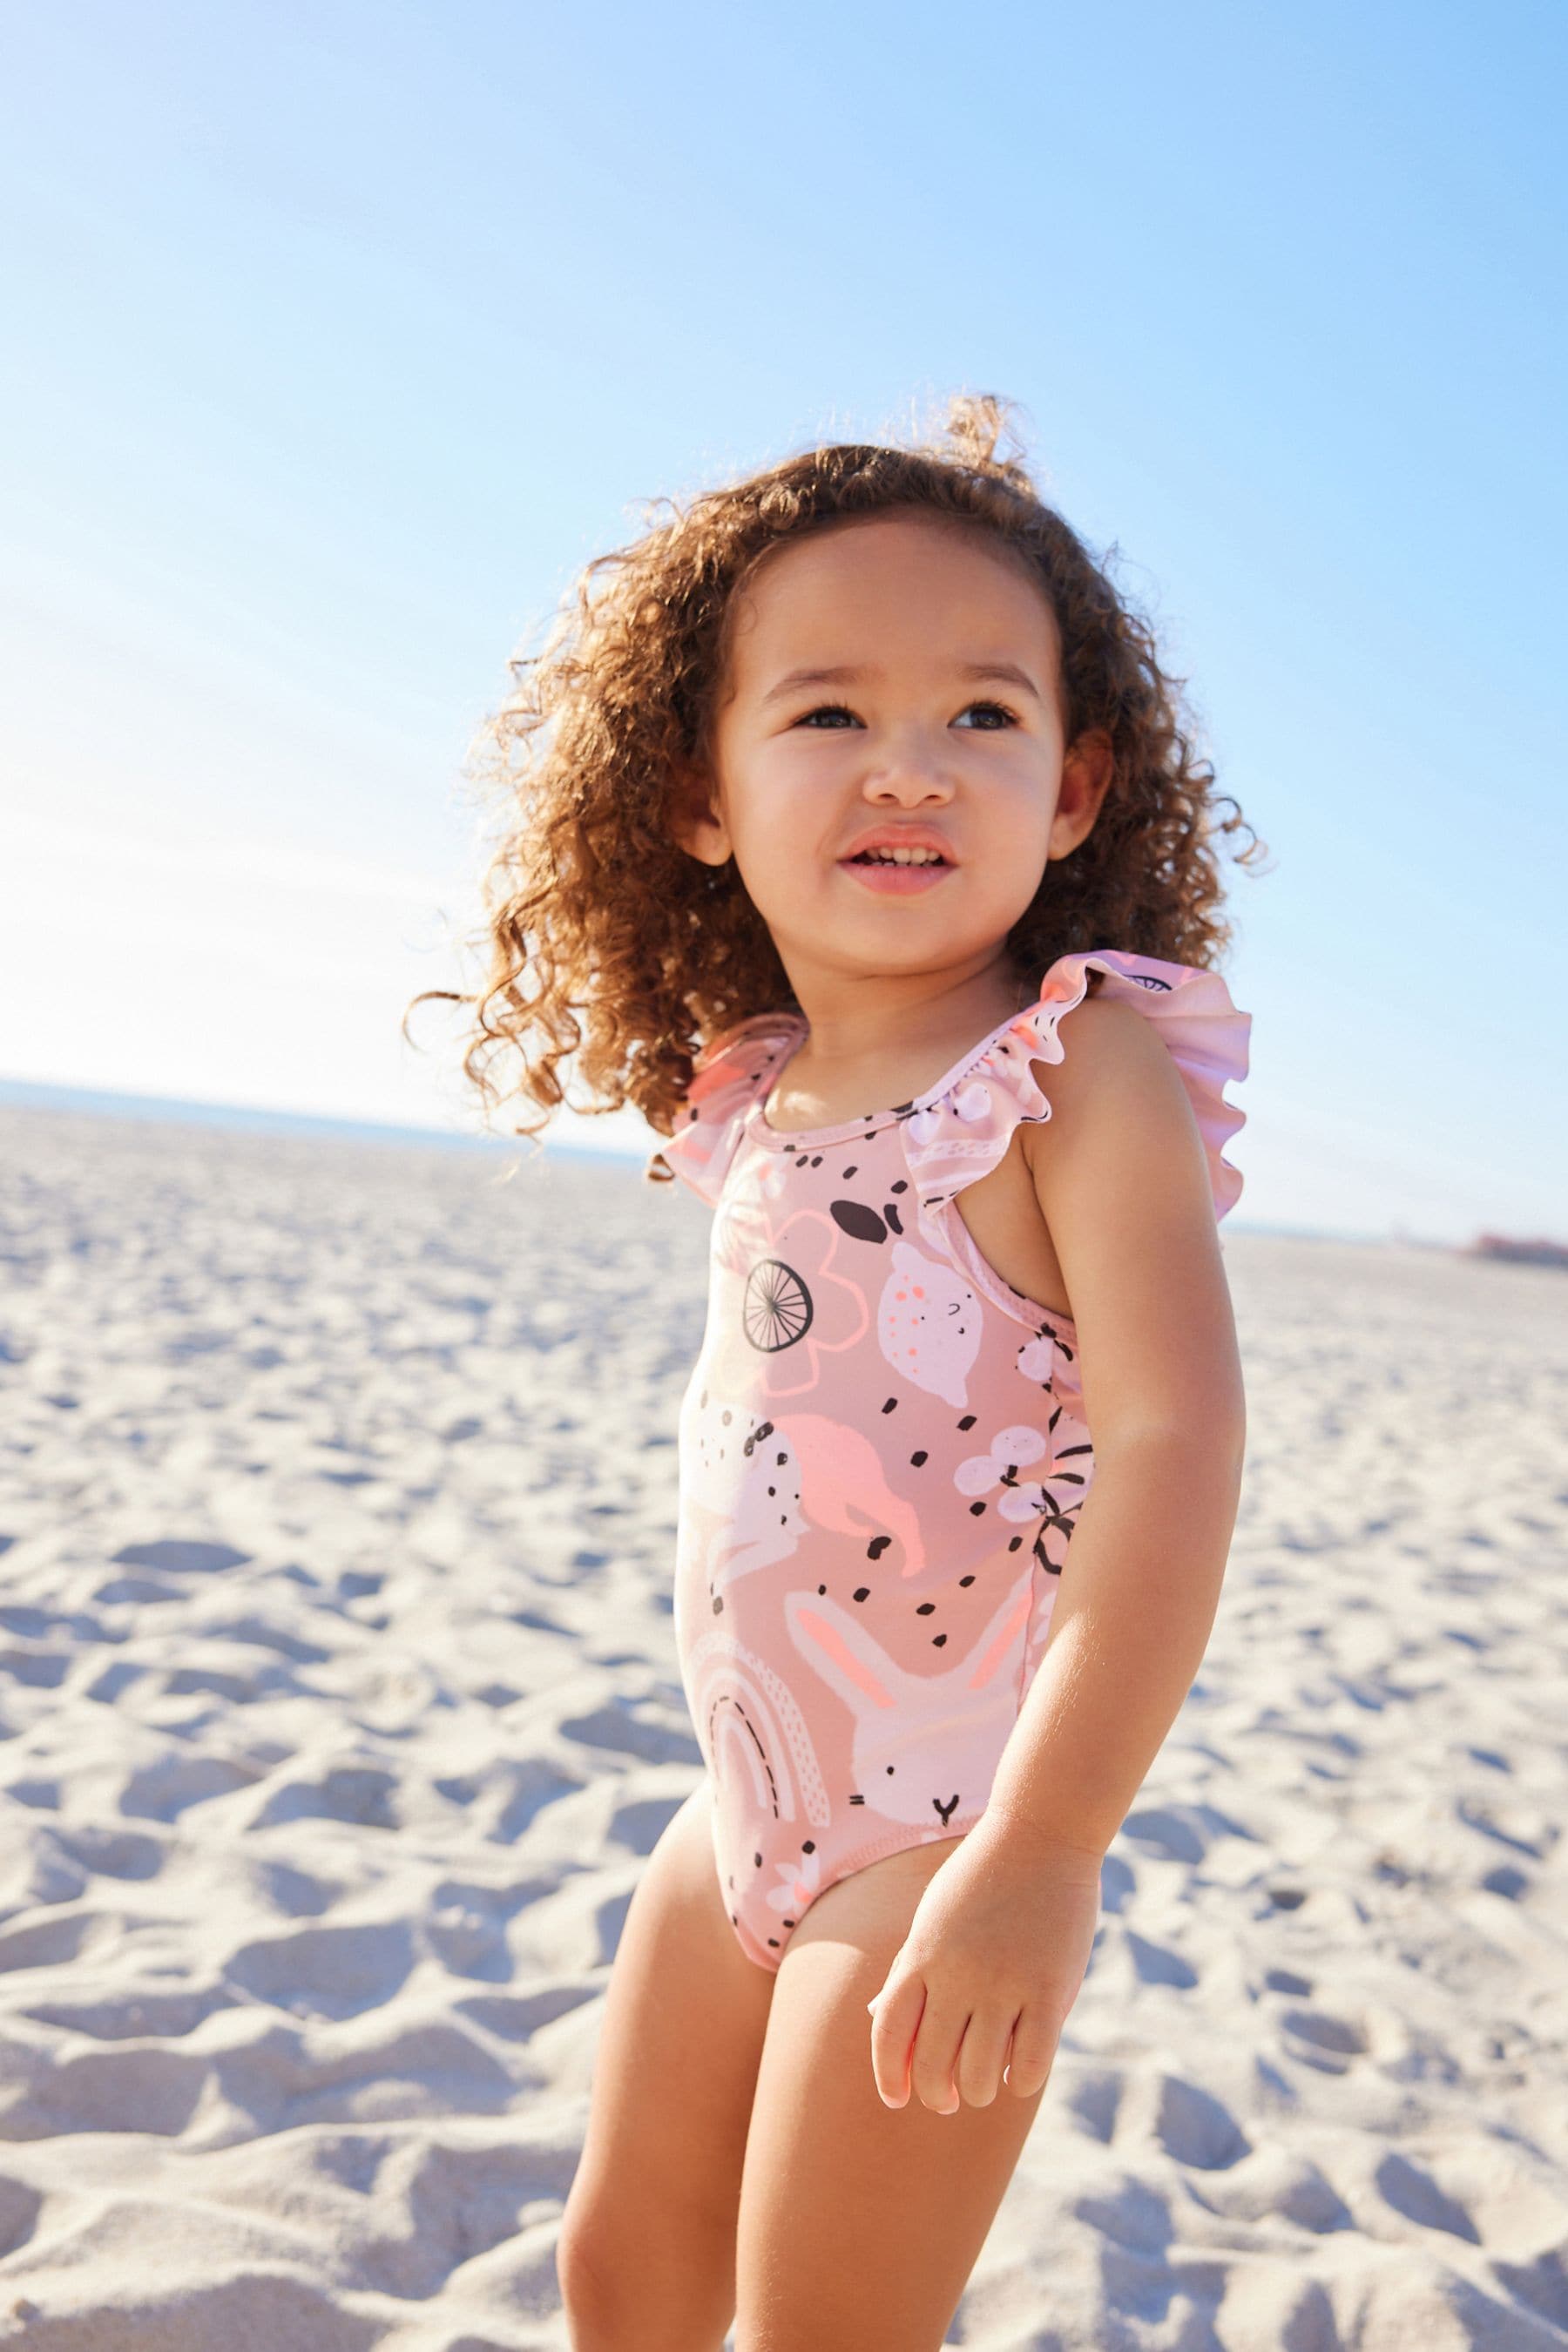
[[893, 676]]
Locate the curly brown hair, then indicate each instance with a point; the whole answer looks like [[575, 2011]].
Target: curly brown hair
[[609, 943]]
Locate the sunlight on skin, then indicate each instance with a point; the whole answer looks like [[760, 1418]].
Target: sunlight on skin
[[917, 620]]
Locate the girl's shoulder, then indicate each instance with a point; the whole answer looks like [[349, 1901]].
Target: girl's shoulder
[[959, 1131], [958, 1136]]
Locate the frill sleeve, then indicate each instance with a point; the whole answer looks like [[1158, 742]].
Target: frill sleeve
[[726, 1076], [957, 1139]]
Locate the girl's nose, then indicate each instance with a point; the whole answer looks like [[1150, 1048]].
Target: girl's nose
[[909, 759]]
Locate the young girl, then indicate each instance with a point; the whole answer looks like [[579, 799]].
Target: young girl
[[859, 776]]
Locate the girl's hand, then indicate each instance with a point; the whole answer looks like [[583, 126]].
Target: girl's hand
[[980, 1990]]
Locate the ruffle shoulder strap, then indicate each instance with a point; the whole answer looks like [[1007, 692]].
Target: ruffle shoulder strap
[[726, 1075], [955, 1139]]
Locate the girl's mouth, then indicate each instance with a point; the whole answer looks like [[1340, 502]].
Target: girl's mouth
[[890, 879]]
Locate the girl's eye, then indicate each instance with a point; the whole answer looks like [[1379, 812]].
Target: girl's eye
[[991, 717], [993, 710]]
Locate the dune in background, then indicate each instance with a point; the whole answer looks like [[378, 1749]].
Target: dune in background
[[339, 1709]]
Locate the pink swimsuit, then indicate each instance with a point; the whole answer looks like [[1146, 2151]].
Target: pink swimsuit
[[883, 1449]]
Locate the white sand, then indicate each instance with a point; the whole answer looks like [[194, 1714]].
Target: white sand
[[339, 1708]]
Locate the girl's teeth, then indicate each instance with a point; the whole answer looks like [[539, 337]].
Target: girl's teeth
[[897, 857]]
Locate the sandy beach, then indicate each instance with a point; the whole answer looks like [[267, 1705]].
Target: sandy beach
[[339, 1709]]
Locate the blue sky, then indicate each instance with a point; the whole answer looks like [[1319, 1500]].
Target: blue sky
[[341, 336]]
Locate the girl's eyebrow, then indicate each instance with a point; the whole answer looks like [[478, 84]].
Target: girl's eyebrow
[[997, 672]]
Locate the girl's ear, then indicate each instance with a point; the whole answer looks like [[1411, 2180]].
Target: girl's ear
[[696, 822], [1087, 773]]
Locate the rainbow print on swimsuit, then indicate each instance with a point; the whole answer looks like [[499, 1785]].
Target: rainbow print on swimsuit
[[883, 1448]]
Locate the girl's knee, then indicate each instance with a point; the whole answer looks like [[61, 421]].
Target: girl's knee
[[594, 2295], [670, 2289]]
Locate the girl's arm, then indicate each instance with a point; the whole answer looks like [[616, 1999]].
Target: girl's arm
[[976, 1997], [1122, 1183]]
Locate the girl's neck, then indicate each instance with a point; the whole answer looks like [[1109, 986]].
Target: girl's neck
[[848, 1036]]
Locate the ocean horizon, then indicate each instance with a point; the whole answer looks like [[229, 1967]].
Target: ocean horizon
[[31, 1093]]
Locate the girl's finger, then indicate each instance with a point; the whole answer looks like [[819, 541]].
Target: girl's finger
[[1030, 2057], [895, 2019], [935, 2057], [981, 2057]]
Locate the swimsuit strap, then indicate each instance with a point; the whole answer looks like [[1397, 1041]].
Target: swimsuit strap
[[958, 1138], [961, 1134], [726, 1074]]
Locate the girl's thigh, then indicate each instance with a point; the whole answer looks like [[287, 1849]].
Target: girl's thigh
[[860, 2223], [649, 2225]]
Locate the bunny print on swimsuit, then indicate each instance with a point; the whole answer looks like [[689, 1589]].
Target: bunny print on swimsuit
[[882, 1445]]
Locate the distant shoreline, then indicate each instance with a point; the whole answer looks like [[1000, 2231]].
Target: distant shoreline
[[25, 1094]]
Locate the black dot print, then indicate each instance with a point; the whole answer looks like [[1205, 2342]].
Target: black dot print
[[862, 1593], [858, 1220]]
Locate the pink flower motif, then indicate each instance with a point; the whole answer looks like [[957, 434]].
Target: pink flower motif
[[1012, 1450], [797, 1259], [740, 1229], [800, 1882]]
